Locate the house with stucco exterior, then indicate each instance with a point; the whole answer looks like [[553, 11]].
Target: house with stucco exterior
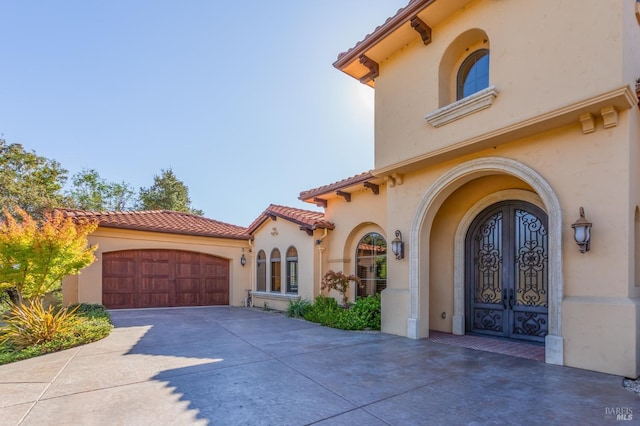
[[505, 195]]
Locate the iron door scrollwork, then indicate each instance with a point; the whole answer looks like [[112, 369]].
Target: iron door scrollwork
[[506, 273]]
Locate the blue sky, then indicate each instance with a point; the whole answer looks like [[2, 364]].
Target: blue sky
[[240, 99]]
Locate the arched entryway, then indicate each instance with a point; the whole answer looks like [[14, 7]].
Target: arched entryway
[[541, 195], [506, 272]]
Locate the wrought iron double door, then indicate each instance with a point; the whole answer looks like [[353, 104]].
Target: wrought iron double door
[[507, 272]]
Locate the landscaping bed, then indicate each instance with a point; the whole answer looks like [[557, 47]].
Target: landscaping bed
[[89, 324]]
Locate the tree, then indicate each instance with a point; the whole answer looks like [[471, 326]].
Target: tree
[[340, 282], [36, 256], [29, 181], [92, 192], [167, 193]]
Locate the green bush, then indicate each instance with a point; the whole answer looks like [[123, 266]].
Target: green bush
[[367, 310], [361, 315], [93, 323], [298, 308]]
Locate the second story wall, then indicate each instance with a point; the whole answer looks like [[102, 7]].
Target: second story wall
[[543, 55]]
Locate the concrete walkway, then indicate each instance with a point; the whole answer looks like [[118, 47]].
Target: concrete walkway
[[237, 366]]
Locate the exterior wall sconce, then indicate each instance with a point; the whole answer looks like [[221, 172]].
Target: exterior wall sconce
[[243, 260], [397, 246], [582, 232]]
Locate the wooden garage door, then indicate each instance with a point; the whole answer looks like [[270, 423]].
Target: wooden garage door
[[157, 278]]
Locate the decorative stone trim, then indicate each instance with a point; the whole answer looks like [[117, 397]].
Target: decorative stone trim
[[588, 123], [610, 116], [275, 296], [469, 105], [436, 194]]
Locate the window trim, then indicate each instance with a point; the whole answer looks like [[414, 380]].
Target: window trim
[[465, 67], [261, 262], [462, 108], [292, 261], [276, 273], [373, 265]]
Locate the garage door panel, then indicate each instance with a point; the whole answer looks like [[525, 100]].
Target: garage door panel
[[118, 284], [215, 285], [216, 299], [119, 300], [154, 285], [189, 299], [153, 278], [188, 285], [188, 270], [154, 300]]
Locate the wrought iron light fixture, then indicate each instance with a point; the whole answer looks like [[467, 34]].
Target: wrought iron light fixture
[[582, 232], [243, 260], [397, 246]]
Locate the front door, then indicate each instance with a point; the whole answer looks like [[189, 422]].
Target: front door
[[507, 281]]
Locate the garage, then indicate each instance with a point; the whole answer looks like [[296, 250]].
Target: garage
[[162, 278]]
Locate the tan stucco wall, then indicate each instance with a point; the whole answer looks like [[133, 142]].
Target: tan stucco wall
[[87, 286], [524, 43], [364, 214], [534, 76], [282, 234], [601, 186]]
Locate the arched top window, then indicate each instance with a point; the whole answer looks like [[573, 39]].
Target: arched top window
[[473, 74], [261, 271], [275, 271], [292, 253], [371, 264], [275, 255], [292, 270]]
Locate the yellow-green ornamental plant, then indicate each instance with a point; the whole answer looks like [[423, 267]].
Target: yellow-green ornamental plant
[[36, 255], [31, 324]]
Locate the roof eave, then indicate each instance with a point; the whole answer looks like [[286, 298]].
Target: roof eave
[[383, 31], [174, 232]]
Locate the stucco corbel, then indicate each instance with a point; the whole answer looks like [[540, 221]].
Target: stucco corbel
[[588, 123], [610, 116]]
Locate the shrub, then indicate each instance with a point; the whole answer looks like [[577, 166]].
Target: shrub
[[4, 302], [340, 282], [298, 308], [93, 323], [363, 314], [91, 311], [367, 310], [31, 324], [323, 311]]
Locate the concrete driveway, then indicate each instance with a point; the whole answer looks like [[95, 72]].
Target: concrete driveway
[[238, 366]]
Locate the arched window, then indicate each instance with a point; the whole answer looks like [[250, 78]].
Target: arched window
[[371, 264], [261, 274], [275, 271], [473, 74], [292, 270]]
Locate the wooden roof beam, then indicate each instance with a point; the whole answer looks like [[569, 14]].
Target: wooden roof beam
[[345, 195], [374, 69], [422, 28], [373, 187], [320, 202]]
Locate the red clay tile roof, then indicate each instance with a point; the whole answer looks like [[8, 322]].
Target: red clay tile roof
[[390, 25], [307, 219], [332, 187], [162, 221]]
